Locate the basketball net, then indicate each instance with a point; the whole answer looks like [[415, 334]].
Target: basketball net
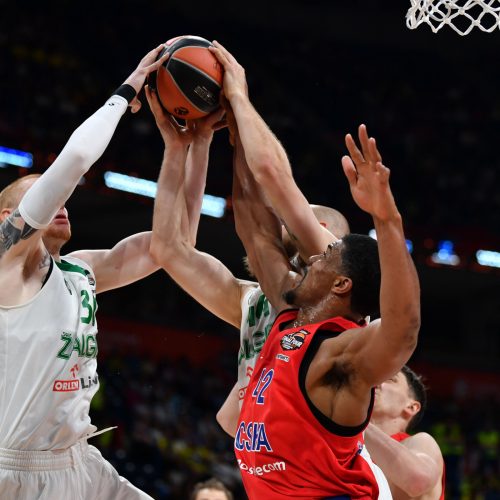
[[461, 15]]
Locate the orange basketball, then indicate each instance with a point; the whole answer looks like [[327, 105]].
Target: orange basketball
[[189, 83]]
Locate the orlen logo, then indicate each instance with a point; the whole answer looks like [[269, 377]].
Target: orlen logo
[[66, 385]]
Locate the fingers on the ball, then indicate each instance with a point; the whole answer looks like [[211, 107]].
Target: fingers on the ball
[[220, 125], [158, 63], [151, 97], [219, 55], [174, 122]]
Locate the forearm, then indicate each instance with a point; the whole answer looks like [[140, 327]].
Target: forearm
[[400, 290], [169, 211], [264, 153], [402, 467], [259, 231], [85, 146], [195, 181], [268, 163]]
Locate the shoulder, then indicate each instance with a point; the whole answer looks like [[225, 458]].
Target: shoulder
[[71, 263], [250, 294], [422, 442]]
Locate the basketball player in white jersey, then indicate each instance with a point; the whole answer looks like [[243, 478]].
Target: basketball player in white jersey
[[239, 302], [48, 332]]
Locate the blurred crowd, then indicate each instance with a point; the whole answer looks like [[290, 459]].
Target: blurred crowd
[[168, 439], [436, 118]]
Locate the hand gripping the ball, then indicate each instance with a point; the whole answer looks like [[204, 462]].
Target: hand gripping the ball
[[138, 76], [234, 82]]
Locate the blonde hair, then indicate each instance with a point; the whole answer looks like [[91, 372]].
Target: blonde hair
[[9, 196]]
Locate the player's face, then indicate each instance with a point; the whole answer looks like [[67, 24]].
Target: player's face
[[318, 280], [392, 397], [59, 230], [210, 494]]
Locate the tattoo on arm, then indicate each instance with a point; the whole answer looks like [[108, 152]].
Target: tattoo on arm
[[45, 262], [12, 230]]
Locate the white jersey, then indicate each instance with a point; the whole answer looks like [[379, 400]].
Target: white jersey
[[48, 367], [257, 318]]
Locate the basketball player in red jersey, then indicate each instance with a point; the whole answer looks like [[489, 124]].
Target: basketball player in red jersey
[[301, 426], [414, 464]]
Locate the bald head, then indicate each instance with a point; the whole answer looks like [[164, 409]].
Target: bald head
[[332, 219]]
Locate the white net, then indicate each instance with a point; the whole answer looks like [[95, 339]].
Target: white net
[[461, 15]]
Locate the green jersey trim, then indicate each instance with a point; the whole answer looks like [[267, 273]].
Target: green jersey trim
[[72, 268]]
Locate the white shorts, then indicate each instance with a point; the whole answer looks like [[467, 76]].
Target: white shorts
[[77, 473]]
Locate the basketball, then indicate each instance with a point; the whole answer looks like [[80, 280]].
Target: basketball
[[188, 84]]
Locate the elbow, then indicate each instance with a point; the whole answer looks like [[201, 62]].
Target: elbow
[[158, 251], [419, 484], [267, 170], [227, 424], [81, 157], [413, 328]]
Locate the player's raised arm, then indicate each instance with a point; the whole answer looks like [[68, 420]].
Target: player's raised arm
[[260, 232], [87, 143], [385, 345], [204, 277], [269, 163]]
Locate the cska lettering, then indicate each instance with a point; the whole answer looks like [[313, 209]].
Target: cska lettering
[[85, 346], [252, 437]]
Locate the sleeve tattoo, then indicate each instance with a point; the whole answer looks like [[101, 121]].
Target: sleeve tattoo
[[12, 230]]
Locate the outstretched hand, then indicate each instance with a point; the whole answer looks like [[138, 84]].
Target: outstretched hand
[[147, 65], [368, 177]]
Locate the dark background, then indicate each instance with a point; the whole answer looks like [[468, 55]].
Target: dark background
[[316, 70]]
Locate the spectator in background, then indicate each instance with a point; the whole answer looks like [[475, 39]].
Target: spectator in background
[[212, 489]]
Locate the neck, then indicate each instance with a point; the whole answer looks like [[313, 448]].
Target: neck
[[326, 309], [389, 425], [54, 248]]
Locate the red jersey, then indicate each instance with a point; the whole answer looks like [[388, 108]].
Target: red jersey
[[401, 436], [284, 445]]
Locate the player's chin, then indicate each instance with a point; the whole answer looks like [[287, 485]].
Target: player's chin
[[60, 232]]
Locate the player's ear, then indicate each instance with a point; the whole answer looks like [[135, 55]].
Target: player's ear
[[342, 285], [4, 213], [412, 408]]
